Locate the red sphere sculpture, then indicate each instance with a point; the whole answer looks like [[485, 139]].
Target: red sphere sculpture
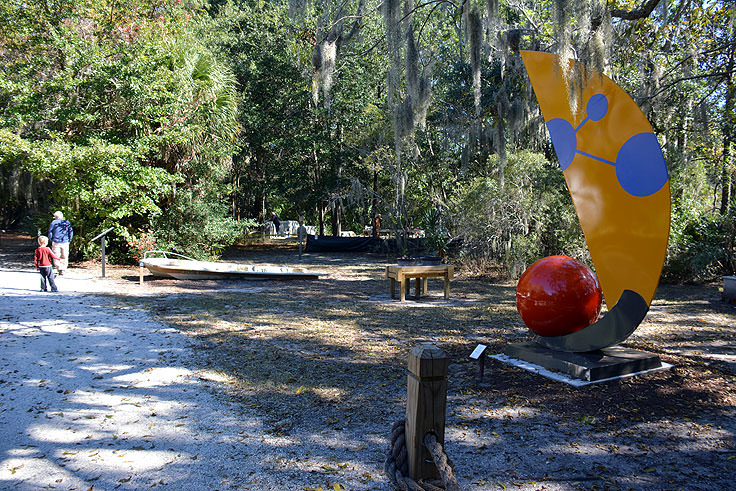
[[558, 295]]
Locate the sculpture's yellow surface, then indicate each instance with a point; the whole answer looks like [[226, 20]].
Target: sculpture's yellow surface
[[615, 172]]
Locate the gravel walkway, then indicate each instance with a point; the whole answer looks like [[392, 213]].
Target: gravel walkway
[[95, 395]]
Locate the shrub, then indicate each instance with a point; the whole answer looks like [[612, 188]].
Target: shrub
[[697, 247], [530, 217], [196, 226], [141, 243]]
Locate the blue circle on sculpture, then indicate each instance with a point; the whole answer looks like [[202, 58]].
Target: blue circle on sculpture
[[597, 107], [564, 140], [640, 166]]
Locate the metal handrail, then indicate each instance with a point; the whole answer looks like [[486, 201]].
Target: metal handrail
[[102, 234], [145, 254], [102, 237]]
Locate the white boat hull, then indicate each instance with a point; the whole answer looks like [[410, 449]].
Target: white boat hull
[[206, 270]]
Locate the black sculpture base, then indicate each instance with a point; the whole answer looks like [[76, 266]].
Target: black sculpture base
[[591, 366]]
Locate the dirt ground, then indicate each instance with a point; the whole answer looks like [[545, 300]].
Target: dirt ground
[[329, 355]]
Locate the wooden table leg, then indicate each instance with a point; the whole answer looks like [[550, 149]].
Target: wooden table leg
[[392, 287], [424, 286], [447, 286], [403, 286], [417, 288]]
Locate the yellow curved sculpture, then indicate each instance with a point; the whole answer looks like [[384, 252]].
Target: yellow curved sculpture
[[617, 177]]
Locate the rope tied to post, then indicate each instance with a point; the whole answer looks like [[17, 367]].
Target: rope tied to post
[[396, 466]]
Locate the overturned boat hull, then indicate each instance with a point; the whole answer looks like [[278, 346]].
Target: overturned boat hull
[[184, 269]]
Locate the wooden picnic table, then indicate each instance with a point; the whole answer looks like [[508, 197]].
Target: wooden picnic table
[[403, 275]]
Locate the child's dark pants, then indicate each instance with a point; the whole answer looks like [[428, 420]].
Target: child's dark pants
[[47, 272]]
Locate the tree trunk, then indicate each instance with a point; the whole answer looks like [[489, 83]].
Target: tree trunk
[[319, 208], [322, 212], [337, 219], [234, 196], [727, 176], [262, 188], [728, 118], [374, 203], [337, 208]]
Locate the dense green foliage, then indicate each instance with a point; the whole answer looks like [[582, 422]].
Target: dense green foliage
[[531, 217], [117, 113], [183, 124]]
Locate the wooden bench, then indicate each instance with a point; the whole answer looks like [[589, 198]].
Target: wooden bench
[[403, 275]]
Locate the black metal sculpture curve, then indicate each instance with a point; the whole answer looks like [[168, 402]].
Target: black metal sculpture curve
[[617, 325]]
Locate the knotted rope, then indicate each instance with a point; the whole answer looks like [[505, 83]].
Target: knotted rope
[[396, 466]]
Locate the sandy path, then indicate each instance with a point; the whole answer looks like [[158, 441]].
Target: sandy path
[[95, 395]]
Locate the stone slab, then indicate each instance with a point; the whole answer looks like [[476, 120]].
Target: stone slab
[[729, 288], [615, 361], [563, 377]]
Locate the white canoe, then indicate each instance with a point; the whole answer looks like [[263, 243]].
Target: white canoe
[[186, 269]]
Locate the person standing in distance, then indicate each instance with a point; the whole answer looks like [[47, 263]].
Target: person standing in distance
[[60, 234], [276, 222]]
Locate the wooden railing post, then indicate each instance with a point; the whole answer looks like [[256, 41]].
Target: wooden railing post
[[426, 399]]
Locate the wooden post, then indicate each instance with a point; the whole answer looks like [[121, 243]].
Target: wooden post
[[426, 398]]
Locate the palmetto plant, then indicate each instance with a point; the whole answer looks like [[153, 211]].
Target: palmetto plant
[[206, 123]]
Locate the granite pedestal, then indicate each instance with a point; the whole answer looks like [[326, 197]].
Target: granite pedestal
[[615, 361], [729, 289]]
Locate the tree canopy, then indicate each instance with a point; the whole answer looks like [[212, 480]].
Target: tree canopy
[[187, 122]]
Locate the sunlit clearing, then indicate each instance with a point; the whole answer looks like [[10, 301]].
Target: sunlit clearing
[[215, 376], [332, 393], [21, 452], [102, 368], [338, 440], [34, 471], [40, 327], [47, 433], [154, 377], [572, 447], [120, 460]]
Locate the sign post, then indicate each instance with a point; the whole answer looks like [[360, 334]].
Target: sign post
[[479, 353], [102, 246]]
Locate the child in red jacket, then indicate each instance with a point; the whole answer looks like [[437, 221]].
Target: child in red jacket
[[42, 260]]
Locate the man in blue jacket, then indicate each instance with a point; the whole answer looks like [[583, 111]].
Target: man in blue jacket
[[60, 234]]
